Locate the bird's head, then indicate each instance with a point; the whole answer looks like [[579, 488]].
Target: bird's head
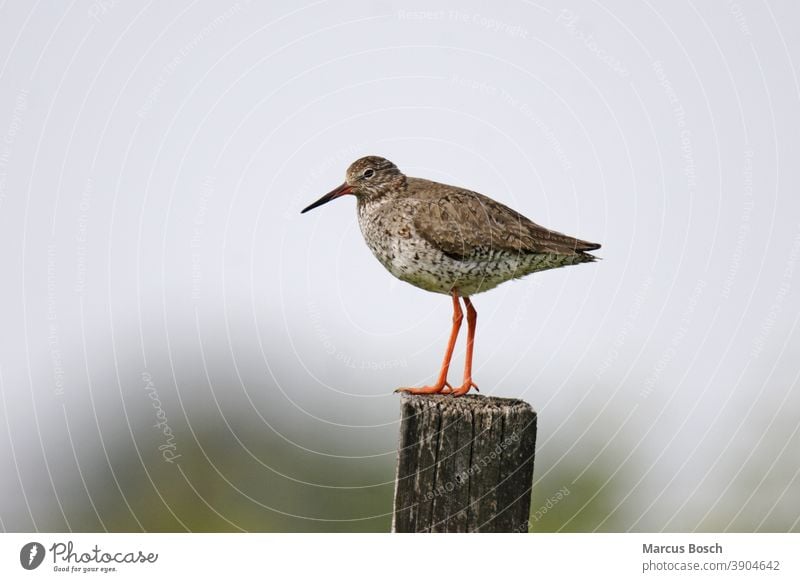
[[367, 177]]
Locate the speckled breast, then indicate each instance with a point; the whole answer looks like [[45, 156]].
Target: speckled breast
[[388, 229]]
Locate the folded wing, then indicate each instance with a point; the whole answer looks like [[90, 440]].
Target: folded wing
[[465, 224]]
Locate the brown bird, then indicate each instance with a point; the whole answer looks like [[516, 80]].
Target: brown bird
[[449, 240]]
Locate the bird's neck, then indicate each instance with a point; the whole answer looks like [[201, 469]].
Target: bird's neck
[[393, 189]]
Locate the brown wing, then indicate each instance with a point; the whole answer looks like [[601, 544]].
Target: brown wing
[[466, 224]]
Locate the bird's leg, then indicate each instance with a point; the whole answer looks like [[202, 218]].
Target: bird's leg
[[472, 319], [441, 382]]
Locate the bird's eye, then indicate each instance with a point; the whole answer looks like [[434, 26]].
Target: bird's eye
[[369, 172]]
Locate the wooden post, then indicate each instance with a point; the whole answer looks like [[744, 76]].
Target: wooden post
[[465, 464]]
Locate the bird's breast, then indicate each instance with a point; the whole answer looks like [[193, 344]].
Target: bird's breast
[[388, 229]]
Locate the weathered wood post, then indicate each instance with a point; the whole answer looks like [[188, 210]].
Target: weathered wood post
[[465, 464]]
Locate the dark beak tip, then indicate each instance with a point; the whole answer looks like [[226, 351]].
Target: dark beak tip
[[341, 190]]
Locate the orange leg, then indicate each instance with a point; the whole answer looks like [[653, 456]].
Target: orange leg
[[441, 382], [472, 319]]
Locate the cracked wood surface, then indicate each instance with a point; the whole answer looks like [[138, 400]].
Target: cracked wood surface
[[465, 464]]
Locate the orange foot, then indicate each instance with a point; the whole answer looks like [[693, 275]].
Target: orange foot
[[463, 389], [438, 388]]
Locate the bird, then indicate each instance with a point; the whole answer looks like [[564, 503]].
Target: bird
[[449, 240]]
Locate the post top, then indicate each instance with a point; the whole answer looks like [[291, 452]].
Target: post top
[[474, 403]]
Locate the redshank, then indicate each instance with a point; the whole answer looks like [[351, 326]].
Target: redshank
[[449, 240]]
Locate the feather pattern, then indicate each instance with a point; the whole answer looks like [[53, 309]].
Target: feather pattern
[[465, 224]]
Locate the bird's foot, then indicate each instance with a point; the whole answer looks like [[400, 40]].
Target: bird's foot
[[438, 388], [464, 388]]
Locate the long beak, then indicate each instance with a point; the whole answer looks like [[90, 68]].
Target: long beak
[[335, 193]]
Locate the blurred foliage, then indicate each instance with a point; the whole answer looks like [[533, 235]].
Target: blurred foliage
[[582, 506], [276, 487], [254, 480]]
